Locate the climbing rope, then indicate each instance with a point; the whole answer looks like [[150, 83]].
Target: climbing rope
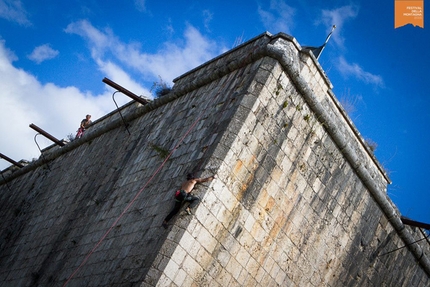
[[119, 111], [142, 189], [41, 153], [242, 62]]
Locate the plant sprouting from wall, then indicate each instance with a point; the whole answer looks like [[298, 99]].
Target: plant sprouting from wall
[[162, 152], [278, 89], [372, 145], [160, 88], [70, 137], [349, 102]]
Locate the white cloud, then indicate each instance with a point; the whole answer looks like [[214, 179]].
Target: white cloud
[[169, 29], [24, 100], [140, 5], [172, 60], [12, 10], [98, 41], [42, 53], [207, 18], [59, 110], [6, 53], [115, 73], [356, 71], [279, 17], [338, 17]]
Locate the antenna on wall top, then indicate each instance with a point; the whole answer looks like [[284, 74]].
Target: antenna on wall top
[[318, 50]]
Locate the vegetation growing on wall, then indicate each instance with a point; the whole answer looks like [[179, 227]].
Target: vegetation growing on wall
[[162, 152], [160, 88]]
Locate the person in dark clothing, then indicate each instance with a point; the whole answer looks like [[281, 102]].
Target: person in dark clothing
[[184, 195]]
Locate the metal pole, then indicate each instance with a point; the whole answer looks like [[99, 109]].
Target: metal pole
[[125, 91], [11, 160], [408, 221], [42, 132], [326, 41], [119, 111]]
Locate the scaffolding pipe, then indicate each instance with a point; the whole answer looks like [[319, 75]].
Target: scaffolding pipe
[[410, 222], [124, 91], [42, 132], [11, 160]]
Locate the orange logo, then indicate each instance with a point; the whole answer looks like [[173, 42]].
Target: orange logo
[[408, 12]]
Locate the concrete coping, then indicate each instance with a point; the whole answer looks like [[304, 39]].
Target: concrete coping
[[186, 83], [386, 205]]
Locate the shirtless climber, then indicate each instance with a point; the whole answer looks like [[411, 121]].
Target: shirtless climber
[[184, 195]]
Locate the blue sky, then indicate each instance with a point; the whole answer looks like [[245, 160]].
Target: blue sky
[[54, 55]]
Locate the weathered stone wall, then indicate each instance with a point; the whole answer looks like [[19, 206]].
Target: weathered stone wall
[[291, 209], [293, 204]]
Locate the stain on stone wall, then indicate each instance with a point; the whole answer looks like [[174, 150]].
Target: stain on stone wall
[[289, 206]]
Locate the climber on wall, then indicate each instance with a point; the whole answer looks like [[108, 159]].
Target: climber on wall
[[84, 124], [184, 195]]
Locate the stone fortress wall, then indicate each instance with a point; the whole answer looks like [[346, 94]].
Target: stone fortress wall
[[299, 200]]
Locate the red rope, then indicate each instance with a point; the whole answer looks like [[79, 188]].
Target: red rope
[[137, 195], [151, 178]]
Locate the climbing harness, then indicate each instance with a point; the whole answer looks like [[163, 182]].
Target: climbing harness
[[244, 61]]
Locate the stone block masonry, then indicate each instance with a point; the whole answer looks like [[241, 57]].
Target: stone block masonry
[[299, 200]]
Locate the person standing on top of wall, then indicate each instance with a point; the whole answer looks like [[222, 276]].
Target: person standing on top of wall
[[184, 195], [84, 125]]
